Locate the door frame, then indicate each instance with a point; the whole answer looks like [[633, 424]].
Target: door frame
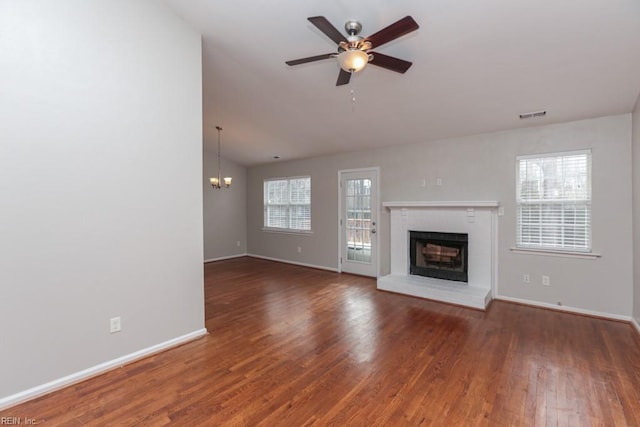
[[376, 171]]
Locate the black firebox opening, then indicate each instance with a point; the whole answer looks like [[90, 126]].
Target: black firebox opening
[[439, 255]]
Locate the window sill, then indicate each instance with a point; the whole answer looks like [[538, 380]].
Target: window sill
[[287, 231], [565, 254]]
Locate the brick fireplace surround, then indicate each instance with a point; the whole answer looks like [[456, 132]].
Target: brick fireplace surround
[[477, 219]]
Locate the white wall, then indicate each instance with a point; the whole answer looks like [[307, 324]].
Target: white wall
[[225, 210], [100, 184], [636, 210], [480, 167]]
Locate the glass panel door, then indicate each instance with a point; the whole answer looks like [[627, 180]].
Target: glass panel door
[[358, 216], [358, 199]]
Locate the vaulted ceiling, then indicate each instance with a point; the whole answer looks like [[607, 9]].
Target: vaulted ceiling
[[476, 66]]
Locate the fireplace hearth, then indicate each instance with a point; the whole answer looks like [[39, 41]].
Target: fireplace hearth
[[439, 255]]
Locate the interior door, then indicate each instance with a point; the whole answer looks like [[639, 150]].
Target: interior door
[[359, 222]]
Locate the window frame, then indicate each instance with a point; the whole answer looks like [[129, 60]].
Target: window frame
[[288, 205], [559, 249]]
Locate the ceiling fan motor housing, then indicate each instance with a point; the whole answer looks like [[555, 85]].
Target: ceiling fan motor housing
[[353, 28]]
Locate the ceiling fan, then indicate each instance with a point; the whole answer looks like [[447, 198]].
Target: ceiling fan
[[354, 51]]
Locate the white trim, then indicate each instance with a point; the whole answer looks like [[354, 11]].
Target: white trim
[[550, 252], [565, 308], [301, 264], [443, 204], [359, 170], [376, 170], [339, 192], [287, 231], [51, 386], [222, 258], [636, 325], [286, 178], [495, 229], [554, 154]]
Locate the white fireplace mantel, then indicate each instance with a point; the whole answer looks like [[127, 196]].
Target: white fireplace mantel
[[447, 204], [477, 219]]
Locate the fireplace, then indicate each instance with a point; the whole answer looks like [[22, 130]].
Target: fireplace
[[439, 255], [479, 220]]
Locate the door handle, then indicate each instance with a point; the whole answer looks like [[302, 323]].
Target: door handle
[[373, 231]]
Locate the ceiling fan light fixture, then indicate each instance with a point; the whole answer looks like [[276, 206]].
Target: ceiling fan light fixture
[[354, 52], [353, 60]]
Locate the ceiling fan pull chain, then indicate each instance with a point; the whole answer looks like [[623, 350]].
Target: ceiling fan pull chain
[[353, 96]]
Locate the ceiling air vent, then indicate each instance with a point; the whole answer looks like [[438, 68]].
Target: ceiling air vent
[[532, 115]]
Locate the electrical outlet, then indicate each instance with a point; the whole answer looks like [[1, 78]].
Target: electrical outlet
[[299, 249], [501, 211], [115, 325], [438, 182], [546, 281], [526, 278], [238, 243]]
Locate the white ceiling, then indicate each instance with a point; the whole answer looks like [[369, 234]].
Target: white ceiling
[[476, 66]]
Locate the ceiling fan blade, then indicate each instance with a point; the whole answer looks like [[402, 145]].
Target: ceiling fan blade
[[393, 31], [326, 27], [343, 77], [309, 59], [389, 62]]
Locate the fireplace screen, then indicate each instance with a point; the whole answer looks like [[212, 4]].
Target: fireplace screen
[[439, 255]]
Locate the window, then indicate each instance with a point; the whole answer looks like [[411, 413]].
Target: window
[[287, 204], [554, 201]]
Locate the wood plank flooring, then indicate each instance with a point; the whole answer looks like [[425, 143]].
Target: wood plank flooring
[[292, 346]]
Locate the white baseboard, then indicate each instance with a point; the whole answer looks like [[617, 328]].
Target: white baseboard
[[302, 264], [37, 391], [565, 308], [222, 258]]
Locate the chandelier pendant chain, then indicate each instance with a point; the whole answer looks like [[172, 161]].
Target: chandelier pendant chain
[[220, 182], [219, 129]]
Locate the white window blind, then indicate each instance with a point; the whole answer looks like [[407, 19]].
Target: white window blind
[[287, 203], [554, 201]]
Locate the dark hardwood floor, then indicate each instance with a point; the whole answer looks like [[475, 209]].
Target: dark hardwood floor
[[292, 346]]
